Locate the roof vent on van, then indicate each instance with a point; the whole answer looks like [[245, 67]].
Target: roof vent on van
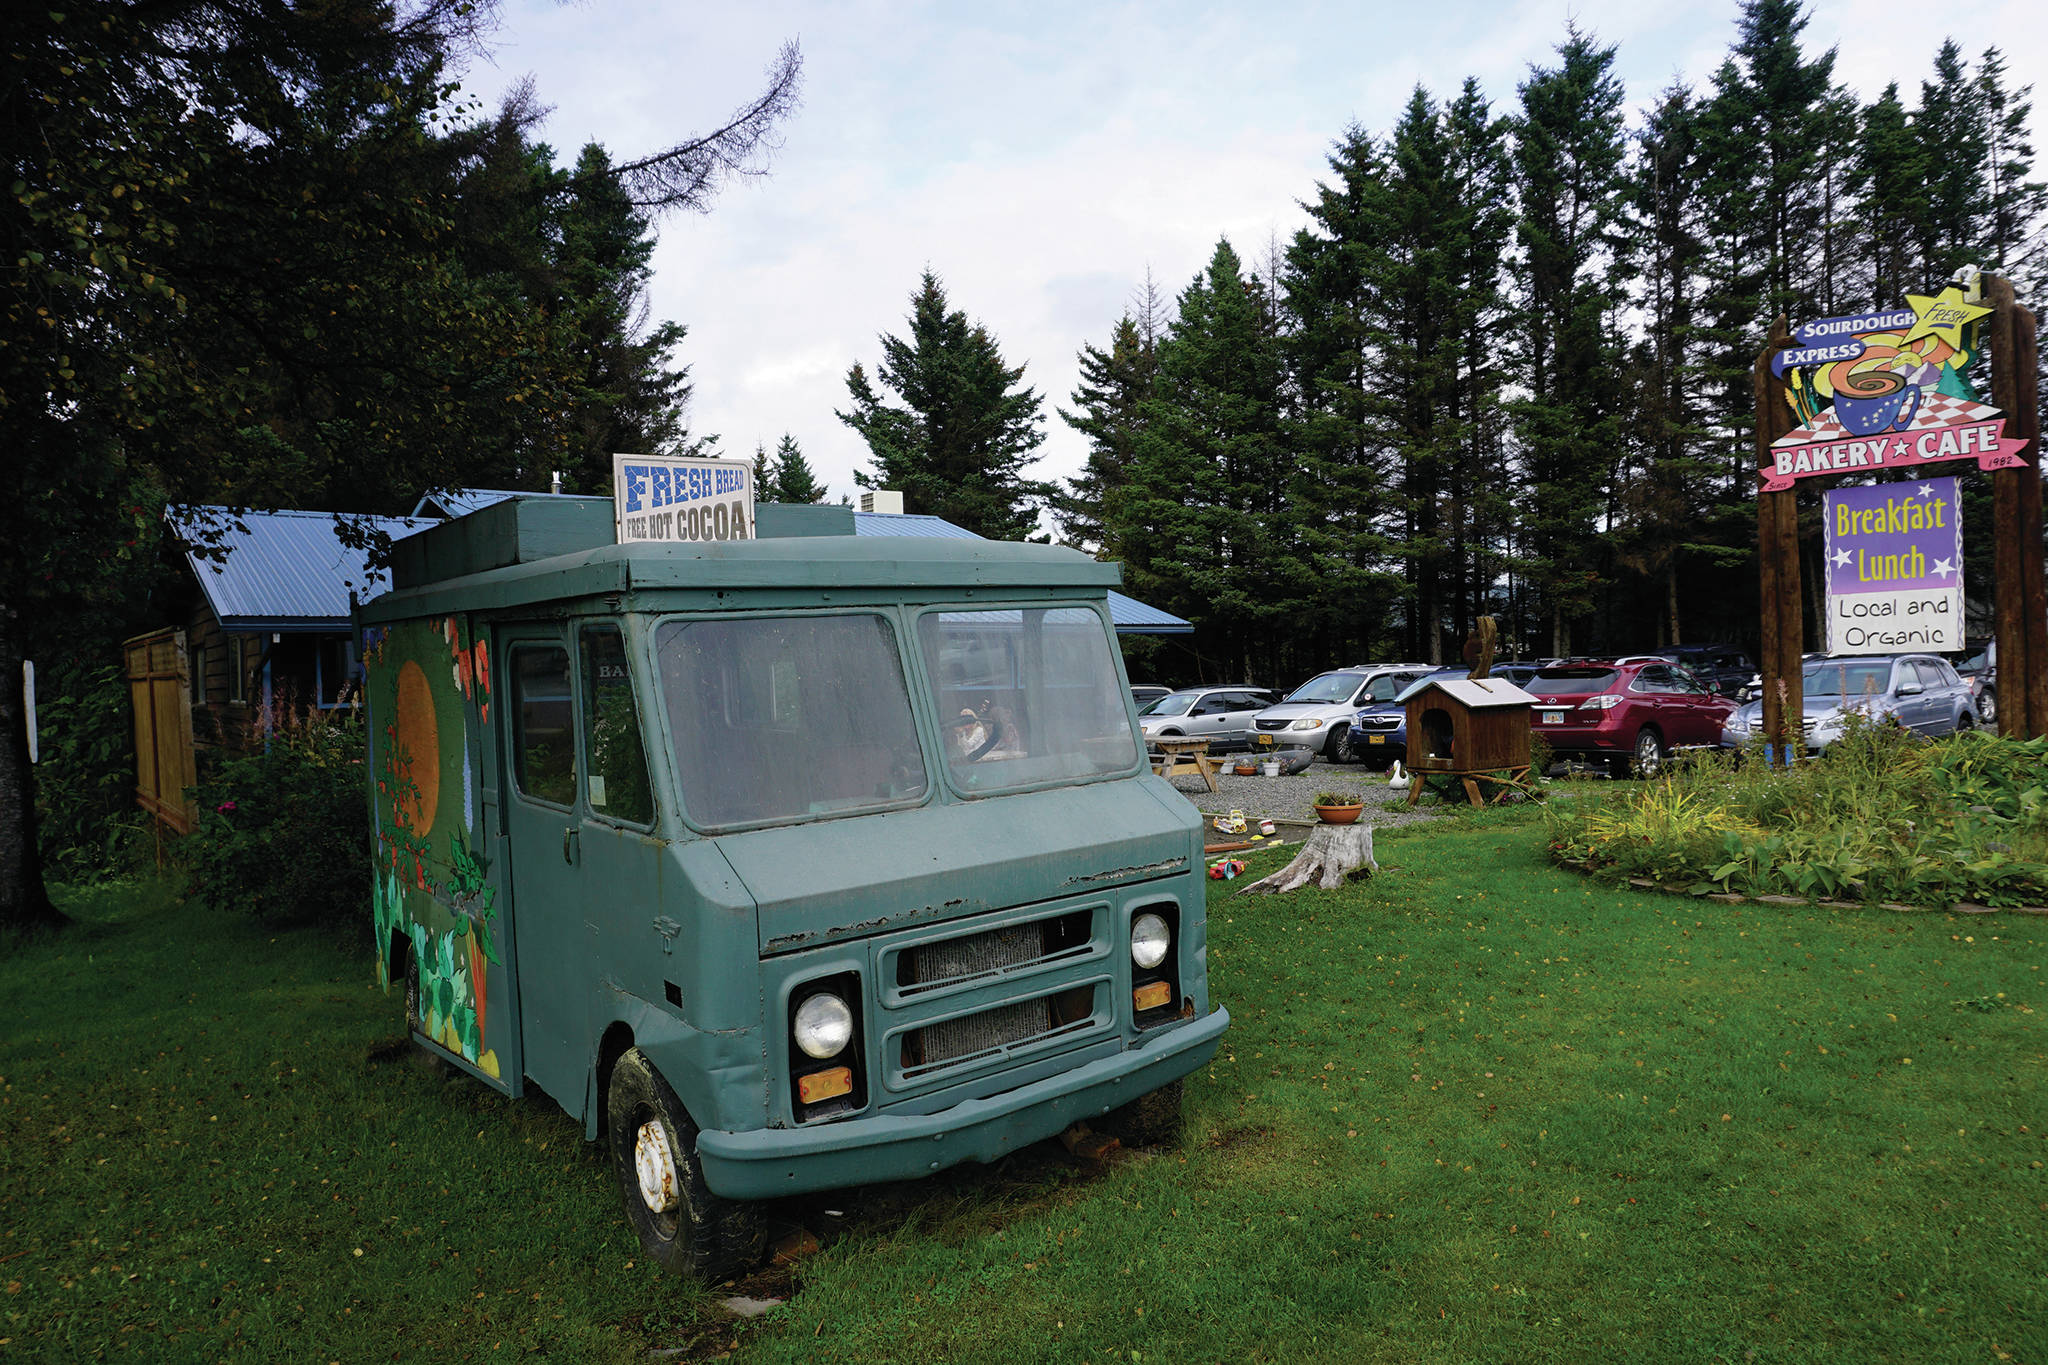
[[888, 500]]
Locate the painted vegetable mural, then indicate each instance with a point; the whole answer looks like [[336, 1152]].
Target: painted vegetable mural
[[430, 694]]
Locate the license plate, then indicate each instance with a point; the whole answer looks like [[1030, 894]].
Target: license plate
[[1265, 739], [1553, 717], [1375, 739]]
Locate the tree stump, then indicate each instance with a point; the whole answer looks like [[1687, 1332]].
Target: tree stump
[[1332, 853]]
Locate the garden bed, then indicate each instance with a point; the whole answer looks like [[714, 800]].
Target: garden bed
[[1883, 819]]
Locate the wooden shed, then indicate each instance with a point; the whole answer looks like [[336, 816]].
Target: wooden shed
[[1472, 729]]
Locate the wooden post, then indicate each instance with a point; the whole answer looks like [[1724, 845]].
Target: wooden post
[[1777, 544], [2021, 604]]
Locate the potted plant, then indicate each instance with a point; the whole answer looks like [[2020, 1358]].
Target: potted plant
[[1338, 808]]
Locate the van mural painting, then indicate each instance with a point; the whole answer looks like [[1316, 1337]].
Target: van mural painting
[[429, 697]]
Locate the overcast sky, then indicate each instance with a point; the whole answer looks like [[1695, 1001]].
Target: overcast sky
[[1041, 159]]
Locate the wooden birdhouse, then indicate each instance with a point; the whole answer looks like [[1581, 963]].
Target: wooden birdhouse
[[1472, 730]]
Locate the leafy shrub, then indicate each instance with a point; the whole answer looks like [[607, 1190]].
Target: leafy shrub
[[1882, 816], [88, 826], [284, 833]]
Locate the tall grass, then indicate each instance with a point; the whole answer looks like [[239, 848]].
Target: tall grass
[[1882, 816]]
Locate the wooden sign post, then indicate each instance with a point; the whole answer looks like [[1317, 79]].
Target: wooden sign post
[[2021, 602], [1777, 540]]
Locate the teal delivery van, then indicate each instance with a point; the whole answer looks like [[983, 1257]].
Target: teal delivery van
[[784, 864]]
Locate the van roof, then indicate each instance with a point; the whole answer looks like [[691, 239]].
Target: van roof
[[524, 571]]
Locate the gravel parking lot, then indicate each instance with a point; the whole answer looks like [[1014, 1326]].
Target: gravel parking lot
[[1289, 798]]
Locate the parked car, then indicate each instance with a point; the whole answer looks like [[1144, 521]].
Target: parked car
[[1144, 694], [1979, 669], [1724, 668], [1221, 715], [1378, 734], [1317, 715], [1630, 716], [1754, 687], [1921, 692]]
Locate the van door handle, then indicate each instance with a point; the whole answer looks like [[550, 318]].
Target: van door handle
[[569, 846]]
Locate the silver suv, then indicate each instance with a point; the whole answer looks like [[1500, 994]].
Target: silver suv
[[1319, 713], [1221, 715]]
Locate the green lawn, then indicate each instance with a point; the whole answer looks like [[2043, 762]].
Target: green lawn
[[1474, 1109]]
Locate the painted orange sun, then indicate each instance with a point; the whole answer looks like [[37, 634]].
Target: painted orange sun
[[420, 742]]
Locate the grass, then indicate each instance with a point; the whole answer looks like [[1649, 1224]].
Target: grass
[[1476, 1108], [1882, 816]]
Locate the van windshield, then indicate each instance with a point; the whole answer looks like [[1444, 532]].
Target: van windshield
[[1025, 696], [1327, 687], [784, 717]]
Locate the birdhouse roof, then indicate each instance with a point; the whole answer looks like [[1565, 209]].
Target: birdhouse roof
[[1478, 694]]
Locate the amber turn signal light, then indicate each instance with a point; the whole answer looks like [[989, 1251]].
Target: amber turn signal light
[[823, 1085], [1152, 997]]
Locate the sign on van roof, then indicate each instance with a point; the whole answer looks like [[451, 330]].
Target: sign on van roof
[[680, 497]]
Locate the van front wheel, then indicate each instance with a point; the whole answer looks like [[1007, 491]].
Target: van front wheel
[[684, 1227], [1151, 1120]]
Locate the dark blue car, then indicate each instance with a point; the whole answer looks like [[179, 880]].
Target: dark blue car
[[1379, 734]]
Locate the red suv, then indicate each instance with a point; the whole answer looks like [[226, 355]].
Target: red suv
[[1630, 715]]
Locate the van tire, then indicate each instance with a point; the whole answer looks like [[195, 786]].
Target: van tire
[[1151, 1120], [704, 1237], [1338, 749]]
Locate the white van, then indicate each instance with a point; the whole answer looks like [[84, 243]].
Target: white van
[[1317, 715]]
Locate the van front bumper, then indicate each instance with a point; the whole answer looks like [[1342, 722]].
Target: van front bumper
[[767, 1163]]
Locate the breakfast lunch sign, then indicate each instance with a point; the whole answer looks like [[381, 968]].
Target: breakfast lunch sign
[[1885, 391]]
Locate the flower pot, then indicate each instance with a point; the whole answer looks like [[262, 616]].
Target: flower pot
[[1339, 815], [1245, 770], [1272, 769]]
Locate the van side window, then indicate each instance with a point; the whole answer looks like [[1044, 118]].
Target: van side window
[[611, 731], [544, 723]]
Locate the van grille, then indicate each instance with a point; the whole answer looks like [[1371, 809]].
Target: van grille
[[991, 951], [934, 964]]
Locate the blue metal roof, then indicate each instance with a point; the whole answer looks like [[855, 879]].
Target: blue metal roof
[[284, 570], [460, 502], [1127, 614]]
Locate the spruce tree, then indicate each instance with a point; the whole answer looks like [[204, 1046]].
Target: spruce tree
[[1567, 156], [2013, 205], [1347, 512], [1950, 127], [1201, 514], [961, 429], [793, 480], [1114, 384], [1890, 183]]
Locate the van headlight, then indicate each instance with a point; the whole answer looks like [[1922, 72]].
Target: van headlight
[[1150, 938], [824, 1026]]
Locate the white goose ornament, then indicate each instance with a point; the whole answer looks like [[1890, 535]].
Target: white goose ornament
[[1399, 781]]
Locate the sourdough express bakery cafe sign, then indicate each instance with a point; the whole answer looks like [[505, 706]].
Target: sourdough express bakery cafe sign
[[1887, 391]]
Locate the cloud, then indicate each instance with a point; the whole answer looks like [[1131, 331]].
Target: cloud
[[1042, 160]]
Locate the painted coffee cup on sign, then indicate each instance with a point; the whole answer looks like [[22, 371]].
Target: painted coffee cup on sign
[[1872, 401]]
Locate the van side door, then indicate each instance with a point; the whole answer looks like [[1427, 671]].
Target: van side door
[[543, 827]]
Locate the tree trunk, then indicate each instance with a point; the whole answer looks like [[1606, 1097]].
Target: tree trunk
[[24, 902], [1332, 853]]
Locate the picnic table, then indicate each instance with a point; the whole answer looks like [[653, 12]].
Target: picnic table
[[1176, 756]]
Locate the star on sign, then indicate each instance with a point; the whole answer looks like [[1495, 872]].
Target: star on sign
[[1942, 315], [1926, 490], [1841, 557], [1944, 567]]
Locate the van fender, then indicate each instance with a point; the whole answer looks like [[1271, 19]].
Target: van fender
[[721, 1078]]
